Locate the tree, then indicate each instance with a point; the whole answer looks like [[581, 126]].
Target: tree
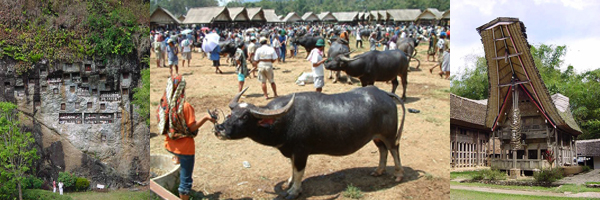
[[142, 97], [16, 154], [473, 83]]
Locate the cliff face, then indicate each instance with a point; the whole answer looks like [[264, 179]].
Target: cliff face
[[82, 119]]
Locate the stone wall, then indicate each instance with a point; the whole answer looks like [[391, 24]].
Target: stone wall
[[82, 118]]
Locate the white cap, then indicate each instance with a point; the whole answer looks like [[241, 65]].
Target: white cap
[[252, 38]]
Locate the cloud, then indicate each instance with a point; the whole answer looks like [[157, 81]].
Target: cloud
[[485, 7], [576, 4]]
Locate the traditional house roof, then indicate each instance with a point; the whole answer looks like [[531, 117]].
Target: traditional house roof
[[181, 18], [588, 148], [430, 14], [446, 14], [376, 15], [467, 112], [507, 53], [310, 17], [346, 16], [238, 14], [163, 16], [384, 15], [292, 17], [327, 16], [404, 15], [256, 14], [205, 15], [361, 16], [270, 16]]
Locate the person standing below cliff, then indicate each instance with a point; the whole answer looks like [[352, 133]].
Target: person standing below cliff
[[172, 51], [177, 121]]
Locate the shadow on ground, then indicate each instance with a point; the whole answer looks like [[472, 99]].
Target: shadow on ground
[[337, 182]]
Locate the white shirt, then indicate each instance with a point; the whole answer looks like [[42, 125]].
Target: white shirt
[[265, 52], [393, 46], [186, 48], [440, 44], [315, 57], [358, 35], [276, 43]]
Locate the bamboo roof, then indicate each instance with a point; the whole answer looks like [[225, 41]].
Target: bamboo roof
[[384, 15], [376, 15], [327, 16], [292, 17], [310, 16], [238, 14], [588, 148], [205, 15], [346, 16], [430, 14], [446, 15], [256, 14], [270, 16], [507, 54], [468, 110], [404, 15], [163, 16]]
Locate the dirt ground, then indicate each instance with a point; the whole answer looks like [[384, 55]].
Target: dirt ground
[[219, 173]]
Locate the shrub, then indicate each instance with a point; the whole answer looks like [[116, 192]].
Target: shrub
[[491, 175], [82, 184], [586, 168], [494, 175], [353, 192], [32, 182], [36, 194], [478, 176], [67, 178], [548, 175]]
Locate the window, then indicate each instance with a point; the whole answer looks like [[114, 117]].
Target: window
[[77, 105], [125, 91], [119, 115], [55, 90], [66, 76], [7, 83], [63, 106], [103, 137], [94, 91], [125, 75], [89, 105], [103, 77], [88, 67], [102, 106], [107, 86], [72, 89], [85, 79]]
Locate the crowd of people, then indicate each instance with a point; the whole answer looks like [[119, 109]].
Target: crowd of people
[[256, 50]]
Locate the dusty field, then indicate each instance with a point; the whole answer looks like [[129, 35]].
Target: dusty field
[[218, 172]]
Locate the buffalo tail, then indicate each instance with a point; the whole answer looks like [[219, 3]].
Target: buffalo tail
[[399, 100]]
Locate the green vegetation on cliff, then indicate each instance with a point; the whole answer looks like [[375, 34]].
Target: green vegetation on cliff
[[70, 30]]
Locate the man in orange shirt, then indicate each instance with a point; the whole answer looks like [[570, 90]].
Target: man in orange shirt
[[177, 121]]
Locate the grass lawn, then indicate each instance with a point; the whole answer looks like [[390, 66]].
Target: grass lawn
[[565, 188], [465, 174], [466, 194], [126, 195]]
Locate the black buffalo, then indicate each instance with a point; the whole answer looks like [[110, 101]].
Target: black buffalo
[[374, 66], [408, 45], [308, 42], [309, 123], [338, 47]]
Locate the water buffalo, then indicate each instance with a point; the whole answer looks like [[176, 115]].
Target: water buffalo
[[374, 66], [338, 47], [408, 45], [228, 48], [308, 42], [309, 123], [365, 33]]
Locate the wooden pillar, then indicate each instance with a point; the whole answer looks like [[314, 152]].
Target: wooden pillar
[[555, 146], [477, 150], [539, 152]]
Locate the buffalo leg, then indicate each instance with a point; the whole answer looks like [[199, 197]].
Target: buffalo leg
[[399, 171], [404, 83], [331, 74], [298, 164], [383, 153], [394, 85]]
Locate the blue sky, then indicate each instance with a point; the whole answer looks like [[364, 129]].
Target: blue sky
[[574, 23]]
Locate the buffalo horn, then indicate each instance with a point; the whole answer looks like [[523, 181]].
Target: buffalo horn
[[272, 114], [347, 59], [234, 101]]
